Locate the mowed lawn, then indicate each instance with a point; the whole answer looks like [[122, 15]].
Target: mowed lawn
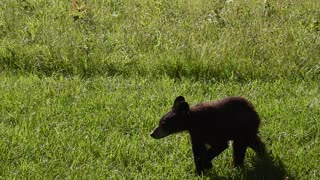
[[82, 85]]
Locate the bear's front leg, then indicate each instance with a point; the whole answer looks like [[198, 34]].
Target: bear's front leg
[[199, 154], [207, 161], [213, 152], [216, 149]]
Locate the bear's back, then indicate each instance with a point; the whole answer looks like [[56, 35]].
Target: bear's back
[[230, 116]]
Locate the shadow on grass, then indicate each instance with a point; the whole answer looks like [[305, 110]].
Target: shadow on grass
[[266, 168], [269, 167]]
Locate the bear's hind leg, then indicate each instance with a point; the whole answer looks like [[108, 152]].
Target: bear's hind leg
[[258, 146], [239, 152]]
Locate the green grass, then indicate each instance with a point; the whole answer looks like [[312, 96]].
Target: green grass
[[99, 127], [198, 39], [82, 86]]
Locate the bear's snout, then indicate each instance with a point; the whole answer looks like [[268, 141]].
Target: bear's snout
[[152, 135], [159, 133]]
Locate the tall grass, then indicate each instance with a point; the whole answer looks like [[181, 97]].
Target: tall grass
[[198, 39]]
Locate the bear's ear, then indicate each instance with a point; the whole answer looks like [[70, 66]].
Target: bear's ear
[[183, 106], [180, 104], [178, 100]]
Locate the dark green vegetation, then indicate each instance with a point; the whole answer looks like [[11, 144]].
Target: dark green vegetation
[[198, 39], [82, 85]]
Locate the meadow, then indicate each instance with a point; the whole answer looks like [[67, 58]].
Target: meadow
[[83, 83]]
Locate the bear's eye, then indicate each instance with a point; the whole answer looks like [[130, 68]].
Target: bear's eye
[[164, 124]]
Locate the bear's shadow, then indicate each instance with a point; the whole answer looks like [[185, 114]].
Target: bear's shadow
[[268, 167]]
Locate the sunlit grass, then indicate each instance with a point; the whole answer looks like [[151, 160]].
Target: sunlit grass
[[99, 127], [83, 84]]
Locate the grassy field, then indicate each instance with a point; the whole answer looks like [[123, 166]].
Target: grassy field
[[83, 84]]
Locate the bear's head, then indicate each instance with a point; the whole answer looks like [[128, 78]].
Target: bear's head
[[174, 121]]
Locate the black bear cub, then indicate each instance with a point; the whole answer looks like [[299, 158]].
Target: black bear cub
[[211, 126]]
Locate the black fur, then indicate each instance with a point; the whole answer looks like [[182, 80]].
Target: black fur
[[214, 124]]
